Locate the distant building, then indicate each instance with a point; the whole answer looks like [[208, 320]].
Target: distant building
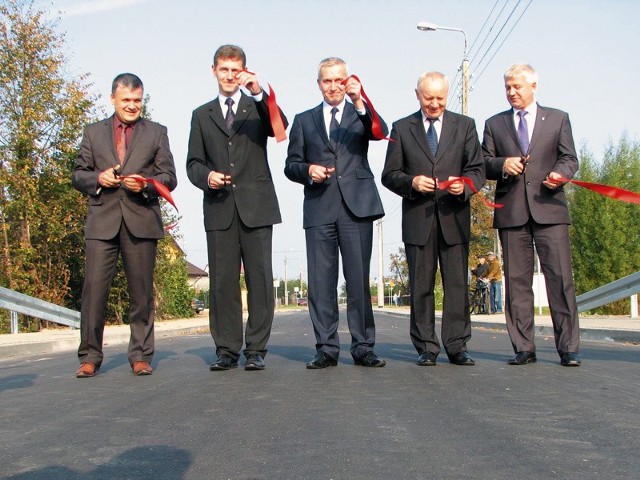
[[198, 278]]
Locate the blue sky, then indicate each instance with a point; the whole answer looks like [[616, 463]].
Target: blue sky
[[586, 53]]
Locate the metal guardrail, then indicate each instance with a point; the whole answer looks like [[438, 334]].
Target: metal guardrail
[[611, 292], [20, 303]]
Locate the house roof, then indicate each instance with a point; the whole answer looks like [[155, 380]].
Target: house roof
[[194, 271]]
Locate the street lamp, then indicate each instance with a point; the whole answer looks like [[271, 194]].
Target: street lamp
[[432, 27]]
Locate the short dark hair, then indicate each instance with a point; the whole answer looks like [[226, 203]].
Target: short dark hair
[[127, 80], [230, 51]]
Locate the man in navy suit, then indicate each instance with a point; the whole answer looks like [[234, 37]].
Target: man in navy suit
[[431, 146], [527, 149], [227, 160], [328, 155], [123, 218]]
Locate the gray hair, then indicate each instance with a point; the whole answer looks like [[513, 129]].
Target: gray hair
[[527, 71], [433, 76], [330, 62]]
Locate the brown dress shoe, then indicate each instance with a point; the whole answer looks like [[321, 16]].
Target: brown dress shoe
[[86, 370], [141, 368]]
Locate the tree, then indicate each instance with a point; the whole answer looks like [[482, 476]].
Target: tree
[[605, 236], [400, 271], [41, 117]]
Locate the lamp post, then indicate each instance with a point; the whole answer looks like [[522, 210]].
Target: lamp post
[[431, 27]]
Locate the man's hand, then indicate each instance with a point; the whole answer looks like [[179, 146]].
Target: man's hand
[[218, 180], [553, 181], [424, 184], [456, 188], [515, 165], [249, 80], [109, 178], [320, 174], [136, 186], [353, 88]]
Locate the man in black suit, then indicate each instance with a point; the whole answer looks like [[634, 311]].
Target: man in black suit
[[227, 160], [123, 218], [431, 146], [328, 155], [526, 149]]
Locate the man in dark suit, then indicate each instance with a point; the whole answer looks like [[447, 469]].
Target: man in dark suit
[[116, 157], [227, 160], [526, 149], [328, 155], [431, 146]]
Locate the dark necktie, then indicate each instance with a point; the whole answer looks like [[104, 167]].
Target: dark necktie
[[121, 142], [432, 136], [333, 126], [523, 132], [230, 117]]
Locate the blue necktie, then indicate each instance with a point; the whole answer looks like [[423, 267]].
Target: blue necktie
[[432, 136], [230, 117], [333, 127], [523, 132]]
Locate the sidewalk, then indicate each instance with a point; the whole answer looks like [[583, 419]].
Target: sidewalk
[[612, 329]]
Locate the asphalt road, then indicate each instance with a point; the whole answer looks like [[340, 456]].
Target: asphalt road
[[491, 421]]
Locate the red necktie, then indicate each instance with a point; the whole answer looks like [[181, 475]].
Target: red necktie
[[121, 142]]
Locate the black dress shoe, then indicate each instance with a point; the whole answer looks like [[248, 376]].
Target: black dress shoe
[[224, 362], [427, 359], [255, 361], [369, 359], [322, 360], [462, 358], [522, 358], [570, 359]]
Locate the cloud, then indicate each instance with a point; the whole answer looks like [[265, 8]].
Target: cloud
[[88, 7]]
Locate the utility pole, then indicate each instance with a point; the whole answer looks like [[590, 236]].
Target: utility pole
[[286, 292]]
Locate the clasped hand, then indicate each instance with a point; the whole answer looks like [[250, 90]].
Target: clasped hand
[[110, 178], [424, 184]]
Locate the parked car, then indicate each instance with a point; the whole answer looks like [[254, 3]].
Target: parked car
[[197, 305], [302, 302]]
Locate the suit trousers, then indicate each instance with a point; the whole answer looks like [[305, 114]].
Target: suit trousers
[[352, 237], [227, 250], [554, 251], [456, 321], [139, 260]]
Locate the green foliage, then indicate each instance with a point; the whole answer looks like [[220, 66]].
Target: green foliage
[[172, 294], [605, 234], [42, 112]]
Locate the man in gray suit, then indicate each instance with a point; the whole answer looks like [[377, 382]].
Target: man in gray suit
[[328, 155], [227, 160], [117, 156], [527, 149], [430, 146]]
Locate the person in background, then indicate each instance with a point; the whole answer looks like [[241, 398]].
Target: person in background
[[494, 275]]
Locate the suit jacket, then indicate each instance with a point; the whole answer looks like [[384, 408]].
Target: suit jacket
[[241, 153], [353, 181], [459, 154], [551, 150], [148, 155]]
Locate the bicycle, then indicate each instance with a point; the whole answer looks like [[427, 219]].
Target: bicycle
[[479, 297]]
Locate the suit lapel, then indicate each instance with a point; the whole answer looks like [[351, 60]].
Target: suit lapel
[[138, 131], [538, 128], [511, 128], [110, 138], [419, 133], [318, 120], [245, 106], [447, 132], [215, 113]]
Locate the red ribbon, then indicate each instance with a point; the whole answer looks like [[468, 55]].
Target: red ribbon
[[162, 190], [274, 113], [606, 190], [447, 183], [376, 125]]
